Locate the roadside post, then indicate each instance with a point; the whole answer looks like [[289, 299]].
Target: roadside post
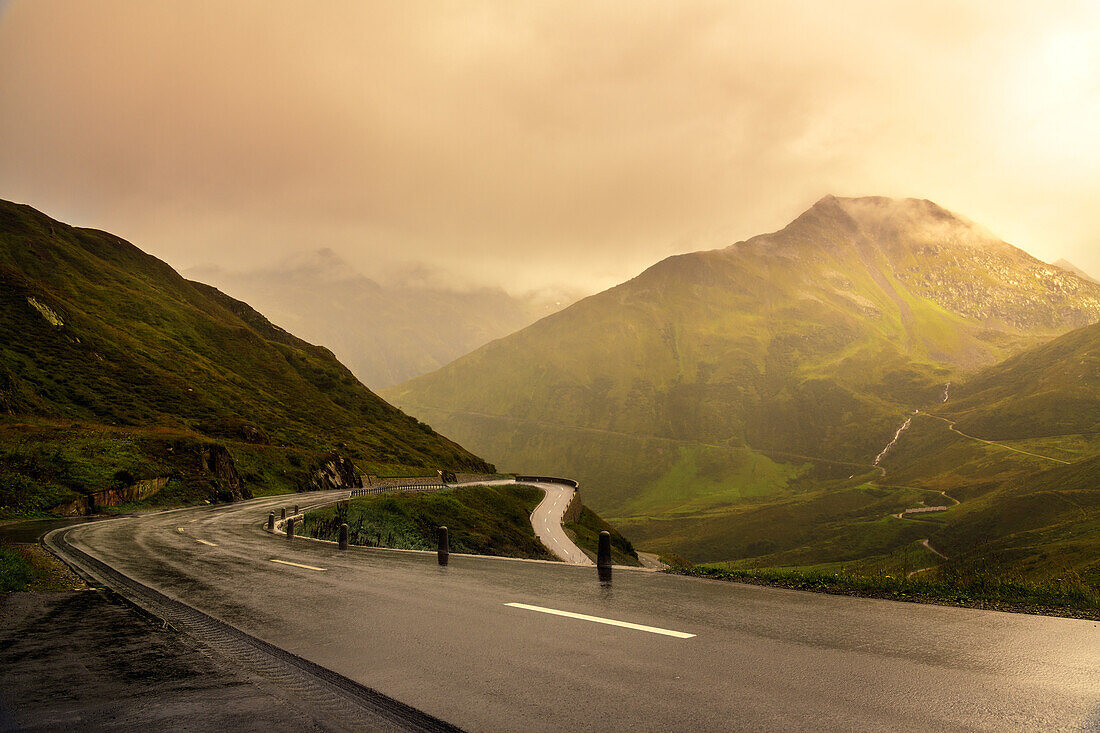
[[290, 529], [343, 536], [282, 509], [444, 546], [603, 557], [271, 522]]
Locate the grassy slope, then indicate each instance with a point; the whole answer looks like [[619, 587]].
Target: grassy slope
[[585, 533], [718, 381], [96, 331], [16, 571], [482, 520], [1020, 513]]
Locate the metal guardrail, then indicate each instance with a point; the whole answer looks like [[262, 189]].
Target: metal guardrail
[[547, 480], [400, 489]]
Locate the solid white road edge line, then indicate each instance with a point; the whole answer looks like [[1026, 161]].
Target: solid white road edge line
[[296, 564], [597, 619], [205, 542]]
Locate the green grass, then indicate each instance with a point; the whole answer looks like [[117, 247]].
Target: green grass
[[704, 477], [481, 520], [965, 586], [585, 533], [16, 572]]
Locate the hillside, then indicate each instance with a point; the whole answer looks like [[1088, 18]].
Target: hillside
[[1050, 390], [385, 333], [1022, 498], [114, 369], [774, 371]]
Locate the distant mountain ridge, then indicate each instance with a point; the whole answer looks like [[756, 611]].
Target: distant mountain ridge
[[158, 376], [757, 370], [1070, 267], [385, 333]]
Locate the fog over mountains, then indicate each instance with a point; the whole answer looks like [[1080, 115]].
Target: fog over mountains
[[388, 331]]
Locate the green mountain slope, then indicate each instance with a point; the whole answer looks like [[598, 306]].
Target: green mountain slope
[[1014, 457], [96, 331], [1019, 446], [782, 365], [1047, 391]]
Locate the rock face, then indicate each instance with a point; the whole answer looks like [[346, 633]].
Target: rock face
[[335, 472], [216, 461], [113, 497]]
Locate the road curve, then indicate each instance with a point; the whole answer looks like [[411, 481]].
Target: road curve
[[546, 520], [494, 644]]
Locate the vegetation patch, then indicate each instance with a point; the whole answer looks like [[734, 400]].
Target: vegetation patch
[[29, 567], [481, 520], [585, 533], [16, 571], [972, 587]]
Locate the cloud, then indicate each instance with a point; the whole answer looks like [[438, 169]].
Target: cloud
[[529, 143]]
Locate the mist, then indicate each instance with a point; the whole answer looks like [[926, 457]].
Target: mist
[[533, 145]]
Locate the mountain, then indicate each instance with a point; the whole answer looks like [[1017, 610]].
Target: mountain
[[385, 333], [1070, 267], [774, 370], [114, 370]]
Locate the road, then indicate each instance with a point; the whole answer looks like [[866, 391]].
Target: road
[[951, 426], [714, 656], [546, 520]]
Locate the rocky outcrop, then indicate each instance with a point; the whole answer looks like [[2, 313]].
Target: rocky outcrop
[[90, 503], [573, 511], [217, 463], [335, 472]]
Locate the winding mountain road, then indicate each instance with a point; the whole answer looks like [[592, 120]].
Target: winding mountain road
[[496, 644], [546, 520]]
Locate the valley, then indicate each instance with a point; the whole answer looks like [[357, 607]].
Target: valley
[[755, 407]]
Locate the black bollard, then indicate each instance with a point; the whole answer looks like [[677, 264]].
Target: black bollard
[[444, 546], [282, 511], [343, 536], [290, 529], [295, 510], [603, 557], [271, 522]]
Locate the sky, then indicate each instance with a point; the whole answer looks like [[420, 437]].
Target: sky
[[542, 144]]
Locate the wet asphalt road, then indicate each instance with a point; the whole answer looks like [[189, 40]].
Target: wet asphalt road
[[443, 640]]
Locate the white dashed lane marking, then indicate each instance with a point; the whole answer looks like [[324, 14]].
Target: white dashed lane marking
[[296, 564], [599, 620]]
